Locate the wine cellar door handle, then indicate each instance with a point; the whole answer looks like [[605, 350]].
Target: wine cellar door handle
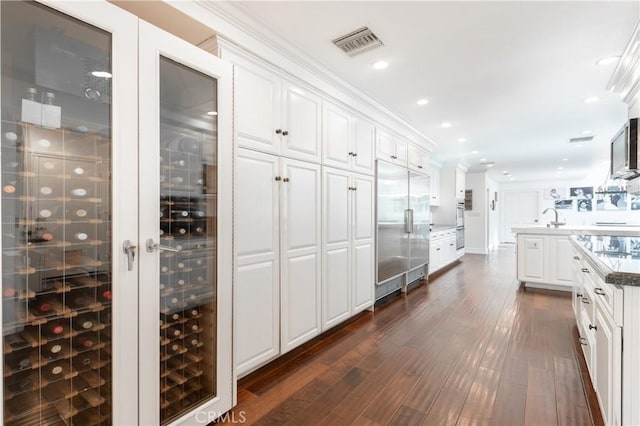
[[151, 246], [130, 250]]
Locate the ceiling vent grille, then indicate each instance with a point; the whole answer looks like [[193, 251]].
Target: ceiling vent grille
[[358, 42], [581, 139]]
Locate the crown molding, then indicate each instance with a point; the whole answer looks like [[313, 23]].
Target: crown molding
[[237, 30], [625, 79]]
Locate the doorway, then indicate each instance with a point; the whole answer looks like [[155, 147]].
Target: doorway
[[519, 208]]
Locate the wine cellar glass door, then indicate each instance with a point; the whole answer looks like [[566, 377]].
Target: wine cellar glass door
[[185, 226], [66, 285]]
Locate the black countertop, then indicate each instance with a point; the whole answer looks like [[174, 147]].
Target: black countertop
[[616, 259]]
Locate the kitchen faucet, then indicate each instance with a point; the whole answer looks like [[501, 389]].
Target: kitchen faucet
[[555, 222]]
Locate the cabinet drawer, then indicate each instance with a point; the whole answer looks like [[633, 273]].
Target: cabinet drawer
[[608, 296]]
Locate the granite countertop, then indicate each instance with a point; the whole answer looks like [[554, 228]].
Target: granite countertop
[[615, 258], [631, 231], [438, 228]]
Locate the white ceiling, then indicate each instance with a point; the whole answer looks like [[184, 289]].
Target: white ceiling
[[511, 77]]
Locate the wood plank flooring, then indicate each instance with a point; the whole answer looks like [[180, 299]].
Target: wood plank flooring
[[471, 347]]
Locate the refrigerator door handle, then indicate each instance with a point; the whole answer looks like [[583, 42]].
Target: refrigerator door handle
[[408, 221]]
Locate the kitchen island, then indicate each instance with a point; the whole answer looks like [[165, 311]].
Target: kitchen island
[[606, 303], [545, 253]]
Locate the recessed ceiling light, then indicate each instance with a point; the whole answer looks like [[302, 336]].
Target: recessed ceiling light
[[587, 132], [380, 65], [489, 165], [212, 113], [446, 125], [422, 102], [475, 152], [505, 172], [482, 160], [608, 60], [101, 74], [565, 159], [560, 168], [591, 100], [462, 140]]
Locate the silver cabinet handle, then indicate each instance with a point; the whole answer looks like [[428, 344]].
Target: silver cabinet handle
[[599, 291], [585, 300], [151, 246], [583, 341], [576, 258], [130, 250], [585, 270]]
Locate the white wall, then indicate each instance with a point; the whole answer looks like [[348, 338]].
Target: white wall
[[475, 220]]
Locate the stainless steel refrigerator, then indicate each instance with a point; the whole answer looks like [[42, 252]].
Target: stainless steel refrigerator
[[403, 227]]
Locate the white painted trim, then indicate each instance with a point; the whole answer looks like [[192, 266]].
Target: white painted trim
[[625, 79], [238, 32], [630, 350], [470, 250]]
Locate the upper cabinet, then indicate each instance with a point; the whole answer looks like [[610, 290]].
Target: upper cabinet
[[391, 149], [434, 173], [419, 159], [275, 115], [348, 140], [460, 184]]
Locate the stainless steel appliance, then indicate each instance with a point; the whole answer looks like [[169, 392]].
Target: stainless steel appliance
[[625, 155], [460, 225], [403, 226]]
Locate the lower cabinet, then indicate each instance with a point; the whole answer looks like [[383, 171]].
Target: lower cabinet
[[348, 251], [442, 249], [545, 259], [599, 321], [277, 244]]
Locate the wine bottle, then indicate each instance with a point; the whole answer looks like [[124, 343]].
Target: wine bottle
[[78, 192], [84, 322], [52, 372], [18, 361], [179, 163], [79, 299], [46, 190], [8, 292], [179, 213], [21, 384], [83, 342], [81, 212], [193, 326], [193, 313], [194, 342], [170, 318], [177, 179], [173, 332], [52, 350], [44, 306], [106, 295], [54, 330], [81, 236], [189, 145], [9, 188], [197, 213]]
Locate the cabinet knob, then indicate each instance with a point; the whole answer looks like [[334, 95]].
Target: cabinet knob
[[393, 157], [593, 327], [285, 133], [419, 167], [576, 258], [586, 271], [599, 291], [583, 341], [278, 178], [285, 179], [355, 154], [578, 295], [350, 153], [278, 131]]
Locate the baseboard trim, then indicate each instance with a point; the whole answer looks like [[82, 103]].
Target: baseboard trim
[[548, 286], [468, 250]]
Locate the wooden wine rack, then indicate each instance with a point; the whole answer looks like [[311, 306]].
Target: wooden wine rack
[[56, 277], [187, 278]]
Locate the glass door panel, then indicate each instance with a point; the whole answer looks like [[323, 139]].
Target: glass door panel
[[188, 205], [56, 218]]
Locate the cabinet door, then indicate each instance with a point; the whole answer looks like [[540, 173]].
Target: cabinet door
[[434, 174], [363, 146], [337, 136], [608, 342], [460, 184], [337, 195], [185, 223], [531, 258], [363, 230], [257, 259], [257, 97], [560, 261], [69, 157], [301, 253], [301, 123], [401, 152], [385, 147]]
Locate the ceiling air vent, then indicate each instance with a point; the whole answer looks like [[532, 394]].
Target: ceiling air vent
[[358, 41], [581, 139]]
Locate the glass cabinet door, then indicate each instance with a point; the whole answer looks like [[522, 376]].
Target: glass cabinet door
[[185, 290], [58, 274]]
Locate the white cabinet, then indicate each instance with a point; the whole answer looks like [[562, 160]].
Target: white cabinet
[[560, 260], [348, 140], [274, 115], [419, 160], [531, 258], [348, 254], [390, 148], [277, 298], [434, 182], [460, 184], [600, 325], [442, 249], [545, 259]]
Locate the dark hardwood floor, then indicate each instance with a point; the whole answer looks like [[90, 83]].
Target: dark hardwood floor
[[471, 347]]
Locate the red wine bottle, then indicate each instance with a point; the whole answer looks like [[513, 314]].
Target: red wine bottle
[[83, 342]]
